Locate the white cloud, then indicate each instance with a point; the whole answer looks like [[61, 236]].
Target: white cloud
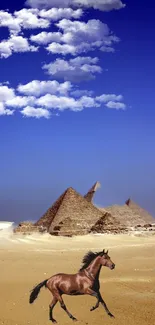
[[48, 3], [104, 5], [28, 19], [6, 93], [64, 49], [5, 49], [22, 19], [30, 111], [38, 88], [62, 103], [116, 105], [79, 93], [17, 44], [7, 20], [41, 97], [78, 37], [107, 49], [19, 101], [34, 18], [94, 30], [59, 13], [111, 101], [20, 44], [87, 101], [46, 37], [84, 36], [78, 69], [109, 97], [4, 111]]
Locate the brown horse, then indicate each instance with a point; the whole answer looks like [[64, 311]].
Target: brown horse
[[86, 281]]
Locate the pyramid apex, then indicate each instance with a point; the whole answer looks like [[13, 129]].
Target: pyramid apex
[[70, 189], [89, 196], [127, 202]]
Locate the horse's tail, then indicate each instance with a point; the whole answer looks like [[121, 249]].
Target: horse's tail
[[36, 290]]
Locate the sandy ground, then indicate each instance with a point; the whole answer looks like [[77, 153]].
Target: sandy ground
[[129, 290]]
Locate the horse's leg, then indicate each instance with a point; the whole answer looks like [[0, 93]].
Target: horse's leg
[[63, 306], [104, 305], [94, 294], [96, 306], [51, 306], [99, 298]]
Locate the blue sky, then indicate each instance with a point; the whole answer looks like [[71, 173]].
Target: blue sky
[[76, 103]]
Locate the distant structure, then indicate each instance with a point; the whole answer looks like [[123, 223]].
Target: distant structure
[[125, 216], [140, 211], [71, 214], [89, 196]]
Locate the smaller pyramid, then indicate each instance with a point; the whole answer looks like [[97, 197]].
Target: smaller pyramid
[[146, 217], [107, 223], [125, 215], [89, 196]]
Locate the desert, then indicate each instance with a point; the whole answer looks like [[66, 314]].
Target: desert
[[128, 290]]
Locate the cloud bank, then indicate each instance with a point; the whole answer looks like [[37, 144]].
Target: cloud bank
[[104, 5], [43, 98], [60, 28]]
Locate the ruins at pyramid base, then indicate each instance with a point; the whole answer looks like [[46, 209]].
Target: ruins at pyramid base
[[28, 228], [73, 214]]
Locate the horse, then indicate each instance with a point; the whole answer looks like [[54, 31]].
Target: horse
[[85, 282]]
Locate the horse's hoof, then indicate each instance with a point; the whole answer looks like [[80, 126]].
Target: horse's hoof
[[74, 319], [111, 315], [92, 308], [53, 321]]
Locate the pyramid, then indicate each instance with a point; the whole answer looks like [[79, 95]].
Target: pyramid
[[70, 215], [107, 223], [146, 217], [89, 196], [75, 215], [126, 216], [47, 218]]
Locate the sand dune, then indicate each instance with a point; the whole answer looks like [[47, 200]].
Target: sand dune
[[129, 290]]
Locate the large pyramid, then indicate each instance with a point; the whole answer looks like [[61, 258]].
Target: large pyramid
[[146, 217], [47, 218], [70, 215], [89, 196]]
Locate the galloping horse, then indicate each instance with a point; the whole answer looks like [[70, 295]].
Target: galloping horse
[[86, 281]]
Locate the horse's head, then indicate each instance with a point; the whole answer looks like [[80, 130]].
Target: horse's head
[[106, 261]]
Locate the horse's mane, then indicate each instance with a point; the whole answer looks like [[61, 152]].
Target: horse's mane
[[89, 257]]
